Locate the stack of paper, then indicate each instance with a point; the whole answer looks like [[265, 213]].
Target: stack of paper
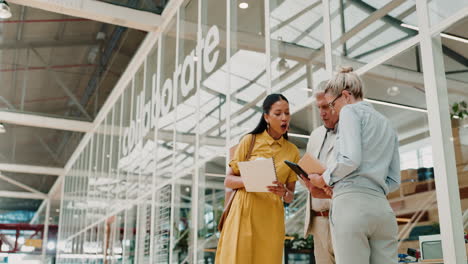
[[258, 174]]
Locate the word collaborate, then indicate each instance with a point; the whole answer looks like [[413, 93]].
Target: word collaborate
[[183, 76]]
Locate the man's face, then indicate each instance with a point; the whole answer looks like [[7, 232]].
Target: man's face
[[328, 116]]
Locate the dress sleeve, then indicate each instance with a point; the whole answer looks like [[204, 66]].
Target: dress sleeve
[[240, 153], [292, 177]]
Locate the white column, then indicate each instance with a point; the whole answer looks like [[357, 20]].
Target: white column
[[45, 232], [327, 37], [269, 87], [447, 189]]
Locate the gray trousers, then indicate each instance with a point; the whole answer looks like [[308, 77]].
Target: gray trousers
[[364, 229]]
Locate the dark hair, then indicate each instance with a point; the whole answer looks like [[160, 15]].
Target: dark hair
[[267, 103]]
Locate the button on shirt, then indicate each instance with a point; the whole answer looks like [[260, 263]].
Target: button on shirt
[[366, 152], [317, 204]]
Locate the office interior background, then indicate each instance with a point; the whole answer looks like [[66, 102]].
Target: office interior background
[[117, 117]]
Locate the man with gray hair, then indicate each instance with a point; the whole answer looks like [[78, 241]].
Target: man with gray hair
[[320, 145]]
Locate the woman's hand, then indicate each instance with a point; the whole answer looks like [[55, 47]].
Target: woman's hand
[[278, 189], [285, 191]]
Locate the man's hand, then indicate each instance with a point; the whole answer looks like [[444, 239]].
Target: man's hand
[[317, 180], [328, 190], [321, 193]]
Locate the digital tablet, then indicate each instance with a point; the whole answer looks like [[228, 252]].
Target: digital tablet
[[297, 169]]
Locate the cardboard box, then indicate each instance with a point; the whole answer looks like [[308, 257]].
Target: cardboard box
[[408, 188], [393, 195], [409, 175]]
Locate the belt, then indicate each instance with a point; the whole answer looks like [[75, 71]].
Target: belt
[[321, 213]]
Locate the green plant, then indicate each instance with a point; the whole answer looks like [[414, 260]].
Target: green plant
[[459, 110], [297, 242]]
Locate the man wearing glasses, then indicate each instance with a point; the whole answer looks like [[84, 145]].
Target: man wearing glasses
[[320, 145]]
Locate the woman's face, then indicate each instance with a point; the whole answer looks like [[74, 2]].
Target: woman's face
[[278, 118], [338, 102]]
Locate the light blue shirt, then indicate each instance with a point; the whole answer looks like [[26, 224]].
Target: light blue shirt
[[366, 151]]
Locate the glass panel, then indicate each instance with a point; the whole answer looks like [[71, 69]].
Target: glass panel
[[212, 117], [144, 230], [124, 161], [162, 225], [92, 215], [297, 66], [248, 81], [358, 33], [453, 73], [113, 157], [165, 144], [440, 10], [129, 241], [182, 224], [399, 94]]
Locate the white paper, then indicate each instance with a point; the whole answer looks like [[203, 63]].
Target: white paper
[[257, 174]]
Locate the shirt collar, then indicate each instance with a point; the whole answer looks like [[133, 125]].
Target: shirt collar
[[269, 140], [332, 130]]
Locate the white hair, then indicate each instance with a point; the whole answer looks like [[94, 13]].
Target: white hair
[[345, 79]]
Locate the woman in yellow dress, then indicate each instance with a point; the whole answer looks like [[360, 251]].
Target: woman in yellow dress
[[254, 230]]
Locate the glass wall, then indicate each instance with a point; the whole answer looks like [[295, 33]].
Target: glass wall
[[146, 186]]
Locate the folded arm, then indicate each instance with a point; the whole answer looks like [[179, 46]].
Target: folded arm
[[348, 147], [232, 180], [393, 179]]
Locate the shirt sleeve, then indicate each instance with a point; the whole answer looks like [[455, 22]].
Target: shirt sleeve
[[240, 153], [348, 147], [393, 179], [292, 177]]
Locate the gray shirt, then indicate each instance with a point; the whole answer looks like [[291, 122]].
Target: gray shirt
[[366, 151]]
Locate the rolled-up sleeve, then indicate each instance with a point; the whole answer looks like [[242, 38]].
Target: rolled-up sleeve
[[348, 147], [393, 179], [240, 153]]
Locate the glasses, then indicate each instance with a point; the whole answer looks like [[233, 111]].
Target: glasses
[[332, 103]]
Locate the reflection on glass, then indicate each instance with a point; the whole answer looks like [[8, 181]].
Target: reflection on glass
[[356, 35]]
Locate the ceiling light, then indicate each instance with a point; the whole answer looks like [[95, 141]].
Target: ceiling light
[[393, 91], [401, 219], [445, 35], [2, 128], [298, 135], [50, 245], [406, 107], [282, 65], [243, 5], [4, 10]]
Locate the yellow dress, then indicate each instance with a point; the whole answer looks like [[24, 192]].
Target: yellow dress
[[254, 229]]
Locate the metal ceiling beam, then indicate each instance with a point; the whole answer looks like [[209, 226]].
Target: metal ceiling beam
[[397, 23], [62, 85], [23, 186], [380, 30], [295, 16], [21, 195], [31, 169], [47, 44], [98, 11], [33, 120]]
